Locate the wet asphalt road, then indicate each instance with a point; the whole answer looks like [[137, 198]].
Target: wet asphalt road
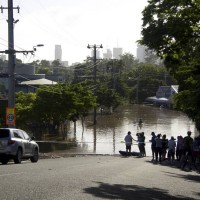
[[96, 177]]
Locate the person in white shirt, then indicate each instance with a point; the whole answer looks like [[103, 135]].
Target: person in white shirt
[[128, 141], [171, 149]]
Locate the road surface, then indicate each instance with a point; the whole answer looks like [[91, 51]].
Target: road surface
[[96, 177]]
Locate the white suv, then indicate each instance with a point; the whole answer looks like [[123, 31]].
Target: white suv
[[16, 144]]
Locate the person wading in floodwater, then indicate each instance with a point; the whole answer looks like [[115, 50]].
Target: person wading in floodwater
[[140, 123]]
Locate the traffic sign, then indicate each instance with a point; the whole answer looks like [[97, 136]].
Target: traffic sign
[[10, 116]]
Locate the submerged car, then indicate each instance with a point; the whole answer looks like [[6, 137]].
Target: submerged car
[[16, 144]]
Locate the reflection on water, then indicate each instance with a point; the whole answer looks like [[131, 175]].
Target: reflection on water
[[107, 136]]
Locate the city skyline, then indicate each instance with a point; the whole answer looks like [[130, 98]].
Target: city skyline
[[73, 24]]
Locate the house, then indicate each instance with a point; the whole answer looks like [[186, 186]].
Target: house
[[164, 96], [32, 85], [166, 91]]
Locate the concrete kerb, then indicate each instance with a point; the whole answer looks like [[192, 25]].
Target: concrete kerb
[[65, 155], [148, 159]]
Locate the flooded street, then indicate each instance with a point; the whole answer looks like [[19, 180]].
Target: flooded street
[[107, 136]]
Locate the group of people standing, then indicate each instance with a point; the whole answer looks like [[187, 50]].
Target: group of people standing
[[185, 149], [162, 148], [141, 143]]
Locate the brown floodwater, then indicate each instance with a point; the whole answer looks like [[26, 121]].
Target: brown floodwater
[[107, 136]]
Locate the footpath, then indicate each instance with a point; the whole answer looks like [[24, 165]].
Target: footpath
[[136, 178]]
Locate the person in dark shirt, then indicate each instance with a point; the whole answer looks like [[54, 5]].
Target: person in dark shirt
[[179, 147], [153, 144], [141, 144], [158, 148], [187, 151], [164, 147]]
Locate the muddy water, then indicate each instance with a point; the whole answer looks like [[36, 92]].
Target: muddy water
[[107, 136]]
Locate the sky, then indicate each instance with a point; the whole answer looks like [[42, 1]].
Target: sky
[[73, 24]]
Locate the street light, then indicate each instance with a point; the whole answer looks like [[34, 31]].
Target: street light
[[38, 45]]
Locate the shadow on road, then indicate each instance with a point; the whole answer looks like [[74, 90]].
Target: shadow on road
[[176, 164], [118, 191], [189, 177]]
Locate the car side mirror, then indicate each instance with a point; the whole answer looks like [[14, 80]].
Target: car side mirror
[[33, 138]]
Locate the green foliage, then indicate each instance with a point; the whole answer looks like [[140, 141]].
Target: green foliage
[[56, 63], [40, 70], [44, 64], [24, 108], [123, 77], [107, 98], [53, 104], [145, 80], [171, 29], [129, 61]]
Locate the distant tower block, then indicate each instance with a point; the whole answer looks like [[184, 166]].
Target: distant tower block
[[117, 52], [58, 52]]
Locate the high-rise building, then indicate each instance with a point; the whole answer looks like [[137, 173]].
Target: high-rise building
[[97, 54], [141, 53], [58, 52], [108, 54], [117, 52]]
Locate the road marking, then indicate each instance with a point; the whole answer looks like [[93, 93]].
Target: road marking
[[12, 174]]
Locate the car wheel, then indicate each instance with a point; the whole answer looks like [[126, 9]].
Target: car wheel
[[35, 156], [4, 161], [18, 157]]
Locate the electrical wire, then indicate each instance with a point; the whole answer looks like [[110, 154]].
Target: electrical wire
[[53, 32]]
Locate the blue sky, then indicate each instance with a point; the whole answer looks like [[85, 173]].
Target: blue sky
[[73, 24]]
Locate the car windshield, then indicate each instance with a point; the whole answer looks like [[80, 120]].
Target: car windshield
[[4, 133]]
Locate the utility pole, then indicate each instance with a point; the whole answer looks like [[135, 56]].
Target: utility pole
[[114, 72], [138, 85], [137, 89], [11, 56], [95, 47]]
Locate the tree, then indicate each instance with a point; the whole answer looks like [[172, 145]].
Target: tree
[[107, 98], [129, 61], [35, 63], [171, 29], [145, 80], [43, 70], [44, 64], [24, 107], [51, 106], [56, 63], [150, 57]]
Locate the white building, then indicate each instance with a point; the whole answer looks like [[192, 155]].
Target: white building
[[97, 54], [117, 52], [58, 52], [141, 53], [107, 54], [65, 63]]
